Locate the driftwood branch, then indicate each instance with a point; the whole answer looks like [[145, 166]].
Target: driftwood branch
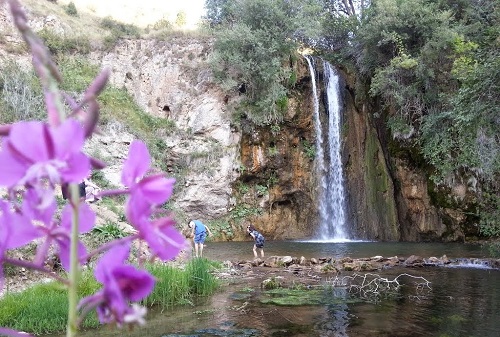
[[373, 287]]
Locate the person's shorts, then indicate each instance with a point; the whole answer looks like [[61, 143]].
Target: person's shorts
[[259, 242], [200, 237]]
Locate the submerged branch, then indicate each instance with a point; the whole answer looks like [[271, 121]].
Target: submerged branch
[[373, 287]]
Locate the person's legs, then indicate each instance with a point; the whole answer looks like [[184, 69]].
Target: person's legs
[[262, 252], [198, 243], [201, 241], [196, 249], [255, 251]]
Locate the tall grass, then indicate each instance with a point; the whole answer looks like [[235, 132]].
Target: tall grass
[[43, 308], [21, 96], [180, 286]]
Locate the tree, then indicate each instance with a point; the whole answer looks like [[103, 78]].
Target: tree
[[217, 12], [180, 20], [252, 51]]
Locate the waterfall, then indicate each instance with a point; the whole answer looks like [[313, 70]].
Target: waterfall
[[331, 197]]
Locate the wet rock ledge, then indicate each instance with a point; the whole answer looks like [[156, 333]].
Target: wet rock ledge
[[370, 264]]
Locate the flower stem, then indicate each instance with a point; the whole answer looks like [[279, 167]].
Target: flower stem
[[111, 244], [72, 327]]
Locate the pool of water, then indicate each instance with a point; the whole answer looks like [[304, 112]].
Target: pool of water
[[460, 302], [358, 249]]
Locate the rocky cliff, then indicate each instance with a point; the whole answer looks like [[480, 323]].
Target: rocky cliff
[[391, 193], [171, 79]]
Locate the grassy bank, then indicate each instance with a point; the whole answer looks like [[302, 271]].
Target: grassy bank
[[42, 309]]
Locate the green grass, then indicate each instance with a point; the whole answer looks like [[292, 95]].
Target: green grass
[[109, 231], [42, 309], [180, 286]]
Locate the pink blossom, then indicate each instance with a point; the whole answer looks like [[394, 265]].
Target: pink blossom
[[16, 230], [160, 234], [155, 189], [61, 234], [53, 232], [34, 151], [121, 283]]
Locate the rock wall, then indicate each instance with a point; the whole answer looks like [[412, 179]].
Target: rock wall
[[372, 210], [171, 79], [276, 185], [420, 219]]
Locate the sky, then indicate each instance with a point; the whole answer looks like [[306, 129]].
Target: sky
[[143, 12]]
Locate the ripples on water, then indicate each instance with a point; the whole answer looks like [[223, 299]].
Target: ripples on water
[[462, 301]]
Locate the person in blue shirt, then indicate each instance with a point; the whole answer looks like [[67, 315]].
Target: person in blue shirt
[[258, 238], [199, 232]]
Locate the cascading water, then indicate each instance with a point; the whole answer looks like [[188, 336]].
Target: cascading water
[[335, 195], [329, 167]]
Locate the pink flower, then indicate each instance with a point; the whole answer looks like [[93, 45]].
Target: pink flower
[[145, 193], [16, 230], [155, 189], [34, 150], [121, 283], [162, 237], [62, 234], [53, 232]]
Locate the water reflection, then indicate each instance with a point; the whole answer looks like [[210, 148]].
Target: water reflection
[[337, 320], [355, 249], [462, 302]]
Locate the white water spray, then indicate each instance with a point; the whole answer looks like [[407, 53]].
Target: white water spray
[[329, 168]]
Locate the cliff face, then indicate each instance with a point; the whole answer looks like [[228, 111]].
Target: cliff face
[[171, 79], [370, 190], [276, 180], [390, 193]]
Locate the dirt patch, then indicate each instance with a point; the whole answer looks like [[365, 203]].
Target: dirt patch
[[21, 280]]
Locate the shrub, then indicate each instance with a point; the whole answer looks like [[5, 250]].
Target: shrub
[[109, 231], [70, 9], [120, 29], [60, 45], [162, 24]]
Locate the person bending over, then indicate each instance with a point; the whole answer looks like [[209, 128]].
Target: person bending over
[[259, 240], [199, 232]]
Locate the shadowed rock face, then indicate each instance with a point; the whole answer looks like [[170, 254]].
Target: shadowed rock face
[[372, 209], [389, 192], [278, 172]]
